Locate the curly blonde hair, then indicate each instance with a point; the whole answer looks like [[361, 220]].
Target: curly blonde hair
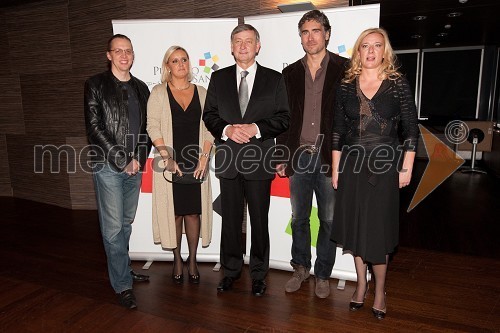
[[165, 73], [388, 69]]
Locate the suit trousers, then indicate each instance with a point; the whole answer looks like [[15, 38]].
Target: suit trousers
[[233, 194]]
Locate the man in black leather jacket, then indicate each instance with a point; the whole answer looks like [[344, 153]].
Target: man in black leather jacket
[[115, 118]]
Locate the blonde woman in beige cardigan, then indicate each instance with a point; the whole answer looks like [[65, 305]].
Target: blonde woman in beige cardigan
[[179, 136]]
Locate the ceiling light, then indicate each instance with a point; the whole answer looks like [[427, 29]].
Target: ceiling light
[[447, 26], [416, 36], [454, 14], [296, 7], [442, 34], [462, 1], [419, 17], [437, 44]]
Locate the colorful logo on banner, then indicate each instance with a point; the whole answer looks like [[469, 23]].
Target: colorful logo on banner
[[343, 51], [209, 63], [206, 65]]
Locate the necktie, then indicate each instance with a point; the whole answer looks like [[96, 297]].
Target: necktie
[[243, 93]]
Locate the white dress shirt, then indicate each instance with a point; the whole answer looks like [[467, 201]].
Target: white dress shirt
[[252, 70]]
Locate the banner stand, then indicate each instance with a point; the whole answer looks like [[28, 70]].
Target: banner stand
[[207, 41]]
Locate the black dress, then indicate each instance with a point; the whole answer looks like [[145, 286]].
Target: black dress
[[366, 218], [186, 130]]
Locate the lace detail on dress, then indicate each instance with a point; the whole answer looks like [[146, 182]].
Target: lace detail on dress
[[367, 112], [359, 121]]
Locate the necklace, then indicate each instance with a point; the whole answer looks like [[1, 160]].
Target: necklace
[[186, 87]]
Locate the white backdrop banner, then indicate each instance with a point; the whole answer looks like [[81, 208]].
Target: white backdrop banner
[[280, 46], [280, 40], [206, 40], [208, 43]]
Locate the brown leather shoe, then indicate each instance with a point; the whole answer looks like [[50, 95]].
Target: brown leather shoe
[[300, 275], [322, 288]]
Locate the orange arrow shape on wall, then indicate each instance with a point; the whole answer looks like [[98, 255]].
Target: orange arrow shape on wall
[[443, 162]]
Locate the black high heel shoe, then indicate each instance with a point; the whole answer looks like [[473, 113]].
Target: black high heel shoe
[[177, 278], [379, 314], [354, 306], [193, 278]]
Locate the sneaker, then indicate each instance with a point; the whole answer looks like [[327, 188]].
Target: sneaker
[[127, 299], [300, 274], [322, 288]]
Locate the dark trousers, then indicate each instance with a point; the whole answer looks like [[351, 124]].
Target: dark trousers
[[257, 194]]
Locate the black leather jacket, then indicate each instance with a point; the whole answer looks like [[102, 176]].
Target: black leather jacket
[[106, 120]]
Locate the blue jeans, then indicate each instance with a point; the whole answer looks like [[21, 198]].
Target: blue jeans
[[306, 179], [117, 198]]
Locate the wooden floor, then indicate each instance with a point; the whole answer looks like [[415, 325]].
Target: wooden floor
[[445, 277]]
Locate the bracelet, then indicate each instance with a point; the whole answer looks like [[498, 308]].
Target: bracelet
[[204, 154]]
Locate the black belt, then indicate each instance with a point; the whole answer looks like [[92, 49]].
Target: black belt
[[309, 149]]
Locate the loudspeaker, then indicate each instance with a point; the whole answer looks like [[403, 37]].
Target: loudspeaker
[[486, 127]]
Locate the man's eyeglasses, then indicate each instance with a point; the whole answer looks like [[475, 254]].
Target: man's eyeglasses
[[119, 52]]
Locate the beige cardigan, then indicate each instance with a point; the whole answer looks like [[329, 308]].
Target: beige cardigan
[[160, 126]]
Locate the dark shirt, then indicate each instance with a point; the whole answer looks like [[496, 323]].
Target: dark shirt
[[312, 101], [356, 126], [134, 117]]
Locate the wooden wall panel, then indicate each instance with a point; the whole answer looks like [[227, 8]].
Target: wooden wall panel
[[5, 184], [271, 6], [4, 56], [53, 104], [11, 105], [81, 183], [90, 28], [11, 111], [154, 9], [51, 47], [224, 8], [323, 4], [39, 37], [50, 186]]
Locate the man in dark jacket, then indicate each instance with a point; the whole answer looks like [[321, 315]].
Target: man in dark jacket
[[115, 118], [311, 83], [245, 109]]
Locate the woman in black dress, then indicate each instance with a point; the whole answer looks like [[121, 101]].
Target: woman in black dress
[[183, 143], [374, 103]]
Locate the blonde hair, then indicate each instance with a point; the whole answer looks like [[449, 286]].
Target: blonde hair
[[388, 68], [165, 73]]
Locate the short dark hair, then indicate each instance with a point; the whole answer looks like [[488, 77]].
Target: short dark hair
[[245, 27], [318, 16], [110, 41]]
